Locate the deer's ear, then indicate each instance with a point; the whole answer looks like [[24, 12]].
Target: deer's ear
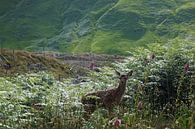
[[117, 72], [130, 73]]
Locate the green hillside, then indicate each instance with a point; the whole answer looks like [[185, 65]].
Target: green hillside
[[103, 26]]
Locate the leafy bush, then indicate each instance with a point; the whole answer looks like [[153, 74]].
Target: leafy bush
[[163, 78]]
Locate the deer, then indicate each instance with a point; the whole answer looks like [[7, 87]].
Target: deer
[[105, 98]]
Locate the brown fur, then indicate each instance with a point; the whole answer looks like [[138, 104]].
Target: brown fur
[[106, 98]]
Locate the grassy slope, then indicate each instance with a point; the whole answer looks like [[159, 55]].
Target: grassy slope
[[29, 21], [104, 26], [20, 59], [132, 23]]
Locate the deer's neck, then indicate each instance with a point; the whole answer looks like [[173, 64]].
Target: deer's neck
[[121, 87]]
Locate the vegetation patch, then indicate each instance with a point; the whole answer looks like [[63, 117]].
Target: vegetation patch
[[20, 62], [159, 94]]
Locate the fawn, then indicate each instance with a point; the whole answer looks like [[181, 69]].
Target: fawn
[[106, 98]]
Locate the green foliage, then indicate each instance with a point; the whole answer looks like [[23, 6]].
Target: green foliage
[[103, 26], [162, 80], [167, 68], [159, 94]]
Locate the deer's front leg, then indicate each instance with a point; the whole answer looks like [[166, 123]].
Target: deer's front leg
[[88, 110]]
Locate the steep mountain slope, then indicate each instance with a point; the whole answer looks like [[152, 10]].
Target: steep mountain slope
[[103, 26]]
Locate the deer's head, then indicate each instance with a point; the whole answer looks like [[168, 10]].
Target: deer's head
[[124, 77]]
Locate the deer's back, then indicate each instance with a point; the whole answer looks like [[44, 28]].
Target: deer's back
[[105, 98]]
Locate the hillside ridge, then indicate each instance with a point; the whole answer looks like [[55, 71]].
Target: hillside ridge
[[104, 26]]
